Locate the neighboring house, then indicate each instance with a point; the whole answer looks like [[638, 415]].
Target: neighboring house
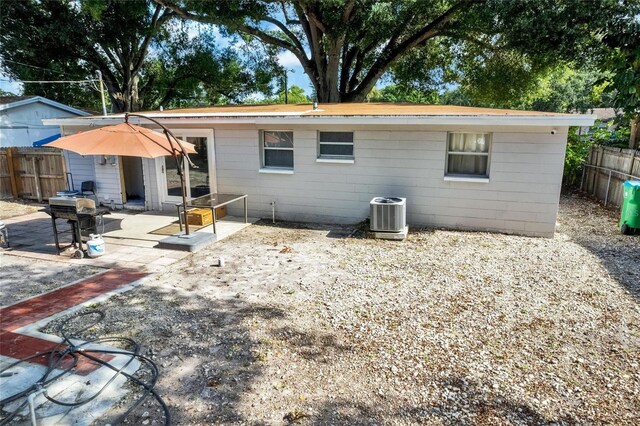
[[604, 117], [21, 120], [458, 167]]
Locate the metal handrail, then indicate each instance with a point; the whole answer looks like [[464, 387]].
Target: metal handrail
[[606, 169]]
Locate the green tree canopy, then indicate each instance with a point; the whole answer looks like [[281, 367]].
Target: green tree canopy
[[560, 89], [295, 95], [5, 93], [621, 57], [346, 46], [143, 53]]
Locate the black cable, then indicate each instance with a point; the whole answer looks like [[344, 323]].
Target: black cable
[[67, 351]]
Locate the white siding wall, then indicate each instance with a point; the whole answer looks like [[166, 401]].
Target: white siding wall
[[108, 181], [521, 197], [106, 176], [80, 167]]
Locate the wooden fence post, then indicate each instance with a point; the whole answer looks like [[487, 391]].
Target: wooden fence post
[[12, 173], [36, 176], [596, 172]]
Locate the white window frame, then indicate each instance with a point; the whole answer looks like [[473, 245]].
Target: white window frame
[[466, 176], [273, 169], [211, 150], [336, 158]]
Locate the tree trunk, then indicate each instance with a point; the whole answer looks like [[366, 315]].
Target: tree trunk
[[326, 95], [358, 96], [115, 96], [634, 137], [134, 101]]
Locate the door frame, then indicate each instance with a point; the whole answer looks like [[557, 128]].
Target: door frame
[[160, 164]]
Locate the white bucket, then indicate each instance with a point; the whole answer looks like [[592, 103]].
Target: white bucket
[[95, 246]]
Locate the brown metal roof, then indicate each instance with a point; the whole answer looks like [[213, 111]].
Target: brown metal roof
[[355, 109]]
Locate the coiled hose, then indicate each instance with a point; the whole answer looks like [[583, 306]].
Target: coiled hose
[[66, 351]]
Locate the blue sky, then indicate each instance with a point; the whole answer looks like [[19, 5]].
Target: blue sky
[[9, 86], [296, 74]]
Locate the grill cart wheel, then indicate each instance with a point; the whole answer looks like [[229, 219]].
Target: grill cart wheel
[[4, 235], [78, 254], [625, 229]]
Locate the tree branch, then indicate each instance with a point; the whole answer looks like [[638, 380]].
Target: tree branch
[[116, 64], [392, 53], [144, 46], [353, 81], [294, 39]]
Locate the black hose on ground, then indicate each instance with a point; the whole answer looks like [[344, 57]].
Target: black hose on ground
[[67, 351]]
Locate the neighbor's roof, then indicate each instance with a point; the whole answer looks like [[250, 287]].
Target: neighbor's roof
[[604, 114], [356, 113], [8, 102]]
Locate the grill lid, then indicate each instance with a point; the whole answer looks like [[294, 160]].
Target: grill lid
[[76, 203]]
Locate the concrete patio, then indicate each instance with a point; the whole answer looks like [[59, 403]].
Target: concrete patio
[[128, 238]]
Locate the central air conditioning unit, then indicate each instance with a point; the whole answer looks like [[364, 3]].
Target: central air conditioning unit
[[388, 214]]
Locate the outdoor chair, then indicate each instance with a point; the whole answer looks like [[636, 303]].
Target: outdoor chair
[[88, 189], [88, 186]]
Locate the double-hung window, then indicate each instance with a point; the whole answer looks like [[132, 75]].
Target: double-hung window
[[335, 145], [277, 149], [468, 155]]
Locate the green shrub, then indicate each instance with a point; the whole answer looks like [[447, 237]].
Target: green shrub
[[577, 151], [578, 147]]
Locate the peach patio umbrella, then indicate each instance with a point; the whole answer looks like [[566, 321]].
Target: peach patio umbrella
[[129, 140], [124, 139]]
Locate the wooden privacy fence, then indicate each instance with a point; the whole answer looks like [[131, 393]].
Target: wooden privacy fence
[[605, 171], [32, 173]]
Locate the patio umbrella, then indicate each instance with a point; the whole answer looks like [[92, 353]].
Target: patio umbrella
[[126, 139]]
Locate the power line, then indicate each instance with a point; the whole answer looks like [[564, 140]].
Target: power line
[[53, 81], [35, 67]]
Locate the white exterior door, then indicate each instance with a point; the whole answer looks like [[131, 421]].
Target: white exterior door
[[200, 180]]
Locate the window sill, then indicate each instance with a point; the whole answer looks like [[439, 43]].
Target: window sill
[[336, 160], [275, 171], [466, 179]]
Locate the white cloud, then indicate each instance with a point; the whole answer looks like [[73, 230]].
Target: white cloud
[[288, 59]]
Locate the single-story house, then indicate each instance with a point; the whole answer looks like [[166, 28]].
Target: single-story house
[[21, 120], [458, 167]]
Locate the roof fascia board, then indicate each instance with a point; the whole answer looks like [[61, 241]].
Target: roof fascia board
[[487, 120], [46, 102]]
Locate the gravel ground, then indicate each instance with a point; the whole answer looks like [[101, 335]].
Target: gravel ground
[[310, 325], [17, 208], [21, 277]]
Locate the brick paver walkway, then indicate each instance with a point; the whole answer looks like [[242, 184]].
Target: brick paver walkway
[[27, 312]]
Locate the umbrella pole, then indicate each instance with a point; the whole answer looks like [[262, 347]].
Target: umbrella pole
[[180, 160], [184, 194]]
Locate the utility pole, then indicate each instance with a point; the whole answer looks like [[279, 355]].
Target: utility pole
[[104, 105], [286, 89]]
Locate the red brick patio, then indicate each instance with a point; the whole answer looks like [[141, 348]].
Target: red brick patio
[[34, 309]]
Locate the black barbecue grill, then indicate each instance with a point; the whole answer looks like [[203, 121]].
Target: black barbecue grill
[[83, 216]]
